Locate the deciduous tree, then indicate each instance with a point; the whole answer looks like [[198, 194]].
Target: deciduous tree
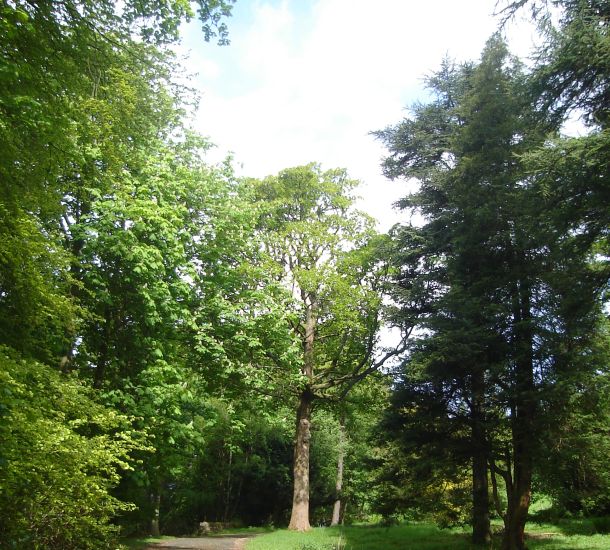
[[322, 250]]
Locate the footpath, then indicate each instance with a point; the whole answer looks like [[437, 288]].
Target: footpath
[[220, 542]]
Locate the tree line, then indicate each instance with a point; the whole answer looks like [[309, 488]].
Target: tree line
[[180, 344]]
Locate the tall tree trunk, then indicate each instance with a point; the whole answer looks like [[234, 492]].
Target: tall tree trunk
[[522, 422], [299, 519], [481, 528], [336, 519]]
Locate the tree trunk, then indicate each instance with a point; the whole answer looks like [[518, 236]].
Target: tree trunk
[[481, 528], [521, 490], [336, 519], [299, 519], [494, 492], [522, 421], [154, 522]]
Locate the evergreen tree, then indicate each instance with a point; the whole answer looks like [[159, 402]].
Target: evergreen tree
[[490, 281]]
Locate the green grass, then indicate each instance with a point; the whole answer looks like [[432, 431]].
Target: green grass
[[364, 537], [569, 536], [566, 535]]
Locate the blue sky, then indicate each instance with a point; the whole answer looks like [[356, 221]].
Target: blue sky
[[307, 80]]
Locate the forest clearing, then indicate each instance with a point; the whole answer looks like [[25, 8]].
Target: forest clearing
[[195, 356], [564, 535]]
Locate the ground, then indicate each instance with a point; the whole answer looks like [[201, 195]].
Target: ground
[[220, 542]]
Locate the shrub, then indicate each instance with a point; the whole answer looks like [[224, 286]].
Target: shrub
[[61, 454]]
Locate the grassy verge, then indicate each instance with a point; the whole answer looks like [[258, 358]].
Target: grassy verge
[[418, 537]]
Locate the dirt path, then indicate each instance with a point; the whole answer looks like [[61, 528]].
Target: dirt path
[[223, 542]]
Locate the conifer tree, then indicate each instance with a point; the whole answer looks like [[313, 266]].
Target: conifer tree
[[482, 273]]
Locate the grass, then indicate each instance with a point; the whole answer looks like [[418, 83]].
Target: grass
[[566, 535], [364, 537], [569, 536]]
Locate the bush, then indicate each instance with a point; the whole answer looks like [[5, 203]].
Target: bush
[[61, 454]]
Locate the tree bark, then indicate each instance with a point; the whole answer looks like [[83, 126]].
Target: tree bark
[[521, 491], [299, 519], [481, 527], [336, 519]]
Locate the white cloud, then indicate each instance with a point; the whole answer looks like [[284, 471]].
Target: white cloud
[[301, 84]]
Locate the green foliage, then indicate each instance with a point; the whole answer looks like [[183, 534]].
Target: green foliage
[[362, 411], [573, 468], [180, 303], [325, 254], [572, 65], [323, 465], [241, 471], [34, 282], [62, 452], [105, 205]]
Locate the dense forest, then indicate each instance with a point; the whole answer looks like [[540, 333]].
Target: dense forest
[[179, 344]]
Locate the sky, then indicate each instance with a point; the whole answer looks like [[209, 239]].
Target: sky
[[308, 80]]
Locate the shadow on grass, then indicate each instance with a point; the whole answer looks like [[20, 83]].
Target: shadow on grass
[[413, 536], [574, 534], [566, 526]]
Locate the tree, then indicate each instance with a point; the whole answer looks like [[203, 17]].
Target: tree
[[82, 100], [570, 173], [321, 250], [89, 115], [484, 273], [357, 416]]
